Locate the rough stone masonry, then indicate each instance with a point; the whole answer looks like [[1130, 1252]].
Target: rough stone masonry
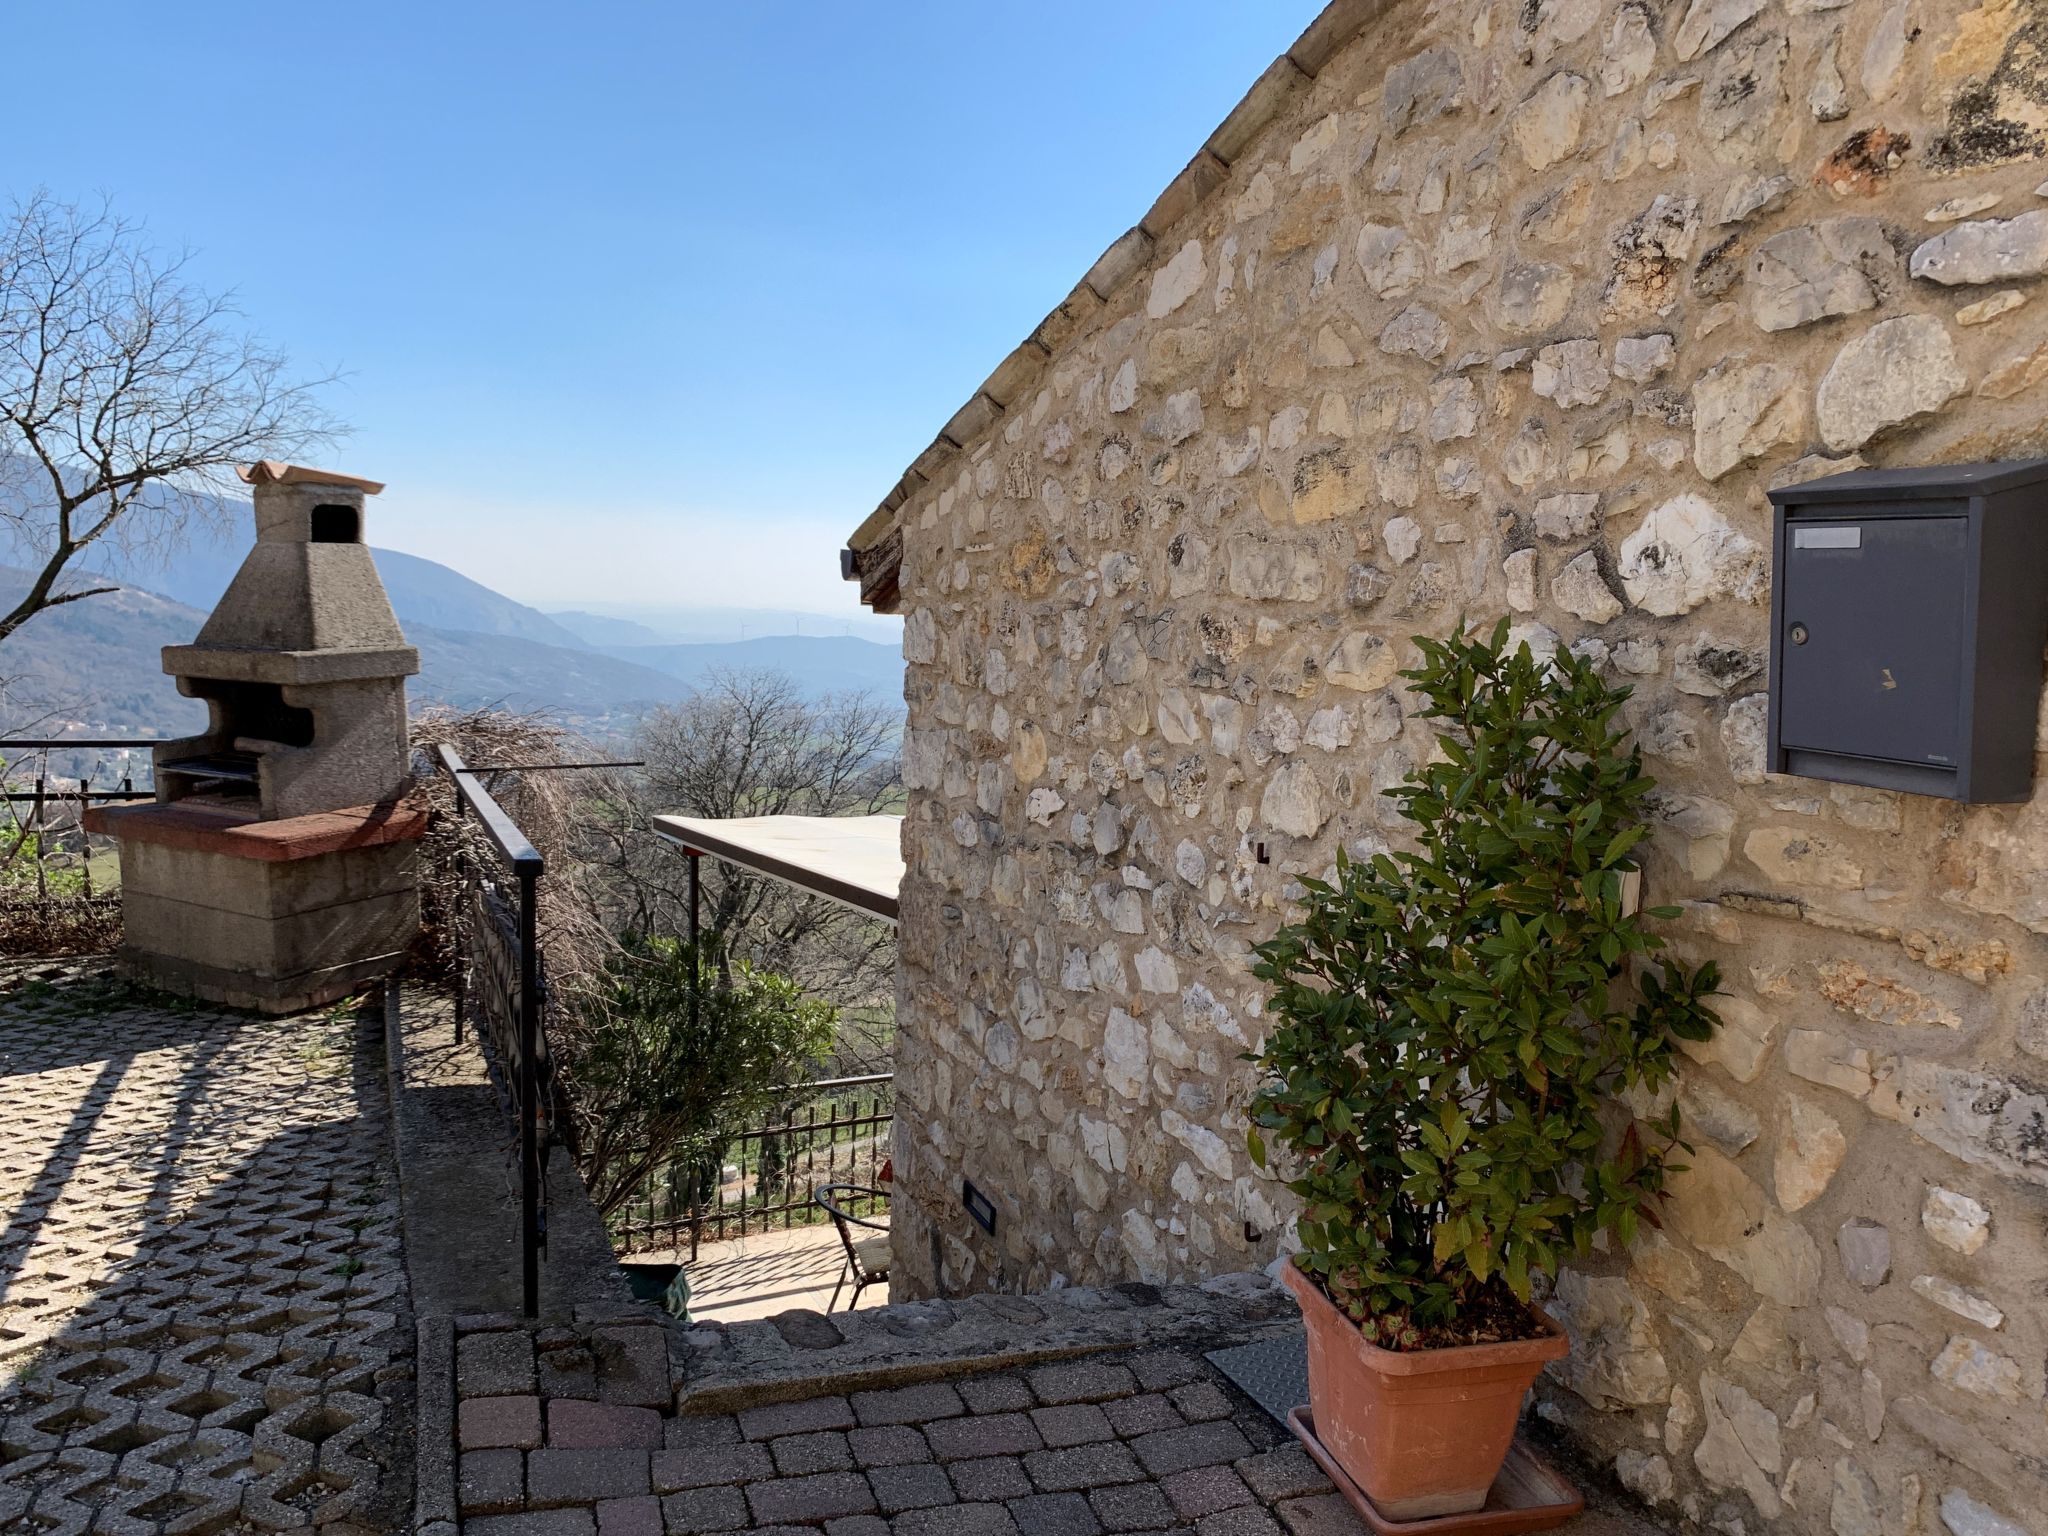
[[1511, 309]]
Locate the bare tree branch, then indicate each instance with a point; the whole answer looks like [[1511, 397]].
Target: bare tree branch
[[126, 393]]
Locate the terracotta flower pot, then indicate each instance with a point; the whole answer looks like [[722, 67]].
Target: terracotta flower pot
[[1424, 1432]]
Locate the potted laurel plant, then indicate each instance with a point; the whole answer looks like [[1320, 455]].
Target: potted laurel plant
[[1450, 1027]]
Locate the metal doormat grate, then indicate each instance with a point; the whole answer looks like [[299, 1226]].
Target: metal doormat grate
[[1272, 1372]]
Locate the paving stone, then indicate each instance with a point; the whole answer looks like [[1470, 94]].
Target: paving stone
[[632, 1365], [889, 1445], [826, 1451], [1288, 1473], [629, 1517], [1073, 1424], [778, 1419], [1204, 1490], [584, 1476], [1250, 1520], [485, 1422], [494, 1365], [1055, 1514], [994, 1434], [1081, 1381], [174, 1177], [575, 1424], [1158, 1369], [491, 1482], [818, 1497], [695, 1430], [673, 1471], [917, 1485], [1199, 1445], [566, 1371], [1142, 1414], [1326, 1514], [1200, 1401], [909, 1405], [1082, 1466], [534, 1522], [956, 1520], [1133, 1507], [995, 1394], [989, 1478], [857, 1525], [705, 1509]]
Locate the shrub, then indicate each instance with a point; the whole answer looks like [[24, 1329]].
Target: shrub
[[649, 1085], [1450, 1023]]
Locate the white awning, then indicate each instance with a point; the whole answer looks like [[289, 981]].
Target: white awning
[[857, 860]]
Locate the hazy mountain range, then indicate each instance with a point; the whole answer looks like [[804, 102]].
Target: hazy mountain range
[[93, 668]]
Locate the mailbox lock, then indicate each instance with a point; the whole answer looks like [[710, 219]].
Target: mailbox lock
[[1799, 634]]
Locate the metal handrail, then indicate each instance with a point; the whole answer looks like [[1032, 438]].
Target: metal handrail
[[525, 863], [512, 844]]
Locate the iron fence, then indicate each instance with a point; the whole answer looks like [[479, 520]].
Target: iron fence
[[500, 984], [762, 1176], [52, 899]]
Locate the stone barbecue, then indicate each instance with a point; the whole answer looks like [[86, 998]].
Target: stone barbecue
[[276, 869]]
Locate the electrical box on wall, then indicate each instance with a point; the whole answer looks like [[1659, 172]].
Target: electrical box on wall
[[1908, 612]]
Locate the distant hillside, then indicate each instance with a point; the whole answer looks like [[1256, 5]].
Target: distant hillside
[[601, 630], [711, 624], [92, 667], [583, 688], [823, 664]]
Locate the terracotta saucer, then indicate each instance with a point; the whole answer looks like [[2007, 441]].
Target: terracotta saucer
[[1529, 1494]]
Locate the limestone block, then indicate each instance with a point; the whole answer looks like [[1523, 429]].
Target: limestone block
[[1810, 1148], [1967, 1516], [1743, 1042], [1954, 1220], [1741, 1449], [1176, 282], [1583, 592], [1686, 553], [1743, 410], [1717, 1208], [1615, 1359], [1969, 1366], [1806, 274], [1392, 262], [1547, 125], [1986, 251], [1894, 373]]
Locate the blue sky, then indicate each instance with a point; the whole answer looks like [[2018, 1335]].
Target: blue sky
[[637, 302]]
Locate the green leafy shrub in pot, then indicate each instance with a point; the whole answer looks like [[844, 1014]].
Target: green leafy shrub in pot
[[1448, 1024]]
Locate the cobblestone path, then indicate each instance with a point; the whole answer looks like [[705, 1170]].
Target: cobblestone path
[[203, 1317]]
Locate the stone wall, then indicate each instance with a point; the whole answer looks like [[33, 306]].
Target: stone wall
[[1514, 309]]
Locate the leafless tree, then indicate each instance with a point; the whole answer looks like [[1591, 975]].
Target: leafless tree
[[754, 744], [126, 391]]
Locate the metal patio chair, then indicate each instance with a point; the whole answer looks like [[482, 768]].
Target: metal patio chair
[[867, 1258]]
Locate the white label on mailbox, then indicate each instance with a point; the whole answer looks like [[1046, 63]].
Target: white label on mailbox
[[1837, 537]]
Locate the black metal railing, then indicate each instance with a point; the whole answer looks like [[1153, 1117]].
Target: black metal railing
[[762, 1176], [51, 896], [500, 984]]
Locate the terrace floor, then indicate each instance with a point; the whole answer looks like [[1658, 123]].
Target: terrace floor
[[203, 1307], [757, 1276]]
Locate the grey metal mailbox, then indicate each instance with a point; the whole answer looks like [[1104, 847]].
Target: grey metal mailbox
[[1908, 612]]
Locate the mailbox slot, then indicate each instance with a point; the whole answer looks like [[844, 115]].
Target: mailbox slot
[[1908, 613]]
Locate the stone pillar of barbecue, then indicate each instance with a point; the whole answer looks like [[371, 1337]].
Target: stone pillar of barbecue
[[277, 869]]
